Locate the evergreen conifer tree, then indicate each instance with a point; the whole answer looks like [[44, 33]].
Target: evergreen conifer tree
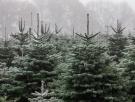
[[36, 65], [90, 77], [117, 42], [21, 39]]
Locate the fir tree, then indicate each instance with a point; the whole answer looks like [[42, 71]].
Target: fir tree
[[90, 77], [37, 64], [117, 42], [21, 39]]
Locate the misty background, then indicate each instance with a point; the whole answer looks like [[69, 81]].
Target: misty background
[[68, 14]]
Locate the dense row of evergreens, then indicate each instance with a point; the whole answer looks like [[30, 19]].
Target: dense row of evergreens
[[72, 68]]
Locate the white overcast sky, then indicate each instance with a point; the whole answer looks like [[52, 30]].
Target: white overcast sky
[[130, 2]]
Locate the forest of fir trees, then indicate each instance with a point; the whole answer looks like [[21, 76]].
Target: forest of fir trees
[[41, 64]]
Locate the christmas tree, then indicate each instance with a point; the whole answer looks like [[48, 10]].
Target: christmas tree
[[90, 77], [117, 42]]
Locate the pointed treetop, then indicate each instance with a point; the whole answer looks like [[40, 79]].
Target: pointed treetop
[[87, 36], [119, 29]]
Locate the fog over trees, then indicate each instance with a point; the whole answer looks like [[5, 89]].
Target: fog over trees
[[67, 51], [66, 13]]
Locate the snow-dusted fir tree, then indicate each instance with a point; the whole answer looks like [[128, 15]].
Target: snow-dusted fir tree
[[38, 64], [21, 39], [117, 42], [90, 77]]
